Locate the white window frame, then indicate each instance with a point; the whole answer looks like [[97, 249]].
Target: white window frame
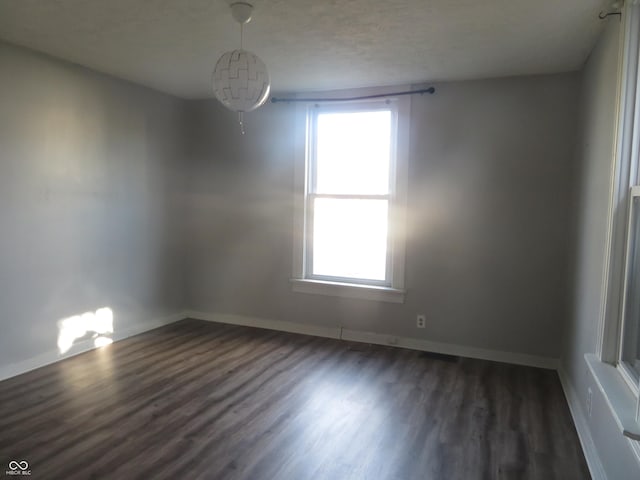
[[392, 290], [614, 380]]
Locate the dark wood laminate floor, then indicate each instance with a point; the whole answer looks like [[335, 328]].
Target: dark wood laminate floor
[[201, 400]]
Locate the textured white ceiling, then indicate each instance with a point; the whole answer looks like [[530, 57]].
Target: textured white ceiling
[[172, 45]]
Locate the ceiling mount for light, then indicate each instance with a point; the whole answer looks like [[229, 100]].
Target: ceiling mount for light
[[241, 12], [240, 79]]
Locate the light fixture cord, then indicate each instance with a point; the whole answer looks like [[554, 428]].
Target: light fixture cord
[[241, 36]]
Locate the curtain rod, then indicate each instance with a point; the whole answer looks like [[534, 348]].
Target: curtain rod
[[352, 99]]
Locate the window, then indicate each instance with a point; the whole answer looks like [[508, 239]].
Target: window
[[349, 190], [616, 366], [629, 359], [350, 234], [623, 397]]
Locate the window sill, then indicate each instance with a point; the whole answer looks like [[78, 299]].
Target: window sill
[[348, 290], [619, 397]]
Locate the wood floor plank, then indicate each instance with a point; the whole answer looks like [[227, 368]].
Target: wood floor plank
[[208, 401]]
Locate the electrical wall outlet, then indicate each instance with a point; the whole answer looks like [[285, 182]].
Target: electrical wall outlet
[[589, 401], [421, 320]]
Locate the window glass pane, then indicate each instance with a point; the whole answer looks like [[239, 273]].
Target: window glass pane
[[353, 151], [631, 343], [350, 238]]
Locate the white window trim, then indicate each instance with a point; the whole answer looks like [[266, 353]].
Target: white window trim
[[348, 290], [619, 391], [617, 394], [394, 293]]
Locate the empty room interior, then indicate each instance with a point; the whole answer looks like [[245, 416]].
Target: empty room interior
[[301, 239]]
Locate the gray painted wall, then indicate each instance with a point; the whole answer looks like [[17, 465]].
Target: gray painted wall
[[88, 175], [491, 177], [595, 150]]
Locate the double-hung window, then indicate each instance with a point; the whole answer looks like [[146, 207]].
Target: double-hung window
[[618, 350], [351, 241]]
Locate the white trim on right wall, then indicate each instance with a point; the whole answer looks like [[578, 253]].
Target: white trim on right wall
[[584, 433]]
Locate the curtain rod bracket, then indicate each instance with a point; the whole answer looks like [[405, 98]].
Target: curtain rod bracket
[[603, 15]]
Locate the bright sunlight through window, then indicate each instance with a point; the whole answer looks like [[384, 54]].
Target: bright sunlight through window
[[349, 190]]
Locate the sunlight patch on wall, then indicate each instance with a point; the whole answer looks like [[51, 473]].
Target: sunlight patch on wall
[[97, 326]]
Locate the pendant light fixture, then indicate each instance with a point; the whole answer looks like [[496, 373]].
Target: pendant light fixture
[[240, 79]]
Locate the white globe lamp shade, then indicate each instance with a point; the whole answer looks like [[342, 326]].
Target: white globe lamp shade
[[241, 81]]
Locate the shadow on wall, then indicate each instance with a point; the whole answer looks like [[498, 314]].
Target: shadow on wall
[[95, 326]]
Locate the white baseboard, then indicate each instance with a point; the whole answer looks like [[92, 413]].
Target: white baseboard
[[245, 321], [379, 339], [451, 349], [52, 356], [584, 434]]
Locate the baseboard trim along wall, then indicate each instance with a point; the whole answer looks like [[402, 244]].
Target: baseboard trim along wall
[[53, 356], [378, 339], [584, 433], [246, 321]]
